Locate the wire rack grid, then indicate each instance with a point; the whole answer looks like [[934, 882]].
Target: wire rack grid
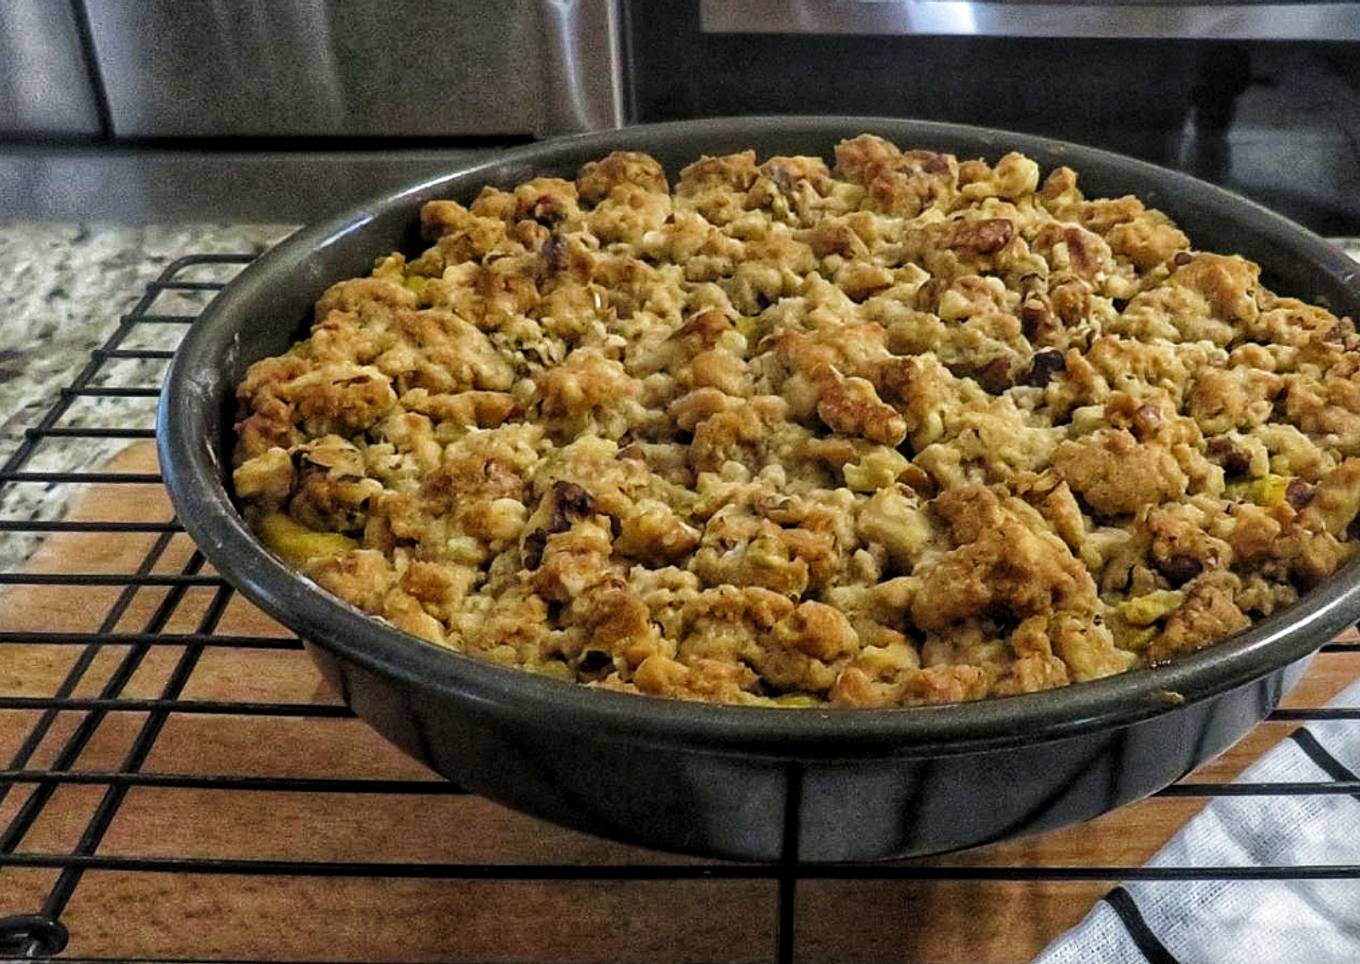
[[145, 713]]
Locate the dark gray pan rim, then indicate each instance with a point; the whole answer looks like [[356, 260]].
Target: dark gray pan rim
[[194, 468]]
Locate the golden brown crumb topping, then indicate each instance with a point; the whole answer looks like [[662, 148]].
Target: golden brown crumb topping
[[903, 430]]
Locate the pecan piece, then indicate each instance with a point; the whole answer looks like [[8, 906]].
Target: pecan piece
[[1180, 568], [1298, 493], [851, 406], [994, 376], [1037, 321], [534, 544], [1233, 460], [1044, 367], [986, 236], [936, 164], [570, 503]]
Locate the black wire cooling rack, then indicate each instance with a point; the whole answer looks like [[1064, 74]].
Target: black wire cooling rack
[[48, 783]]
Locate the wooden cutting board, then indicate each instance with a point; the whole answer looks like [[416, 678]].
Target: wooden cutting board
[[154, 914]]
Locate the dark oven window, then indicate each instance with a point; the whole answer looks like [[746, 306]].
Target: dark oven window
[[1276, 120]]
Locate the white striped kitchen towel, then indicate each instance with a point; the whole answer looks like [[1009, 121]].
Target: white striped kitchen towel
[[1227, 921]]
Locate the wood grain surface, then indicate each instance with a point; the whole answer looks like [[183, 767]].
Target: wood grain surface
[[163, 915]]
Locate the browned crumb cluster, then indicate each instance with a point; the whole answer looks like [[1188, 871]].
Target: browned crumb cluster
[[903, 430]]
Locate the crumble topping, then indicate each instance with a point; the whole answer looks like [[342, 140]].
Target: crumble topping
[[907, 429]]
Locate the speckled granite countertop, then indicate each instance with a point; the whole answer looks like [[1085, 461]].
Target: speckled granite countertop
[[62, 290]]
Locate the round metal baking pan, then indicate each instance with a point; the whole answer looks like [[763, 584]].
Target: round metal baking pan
[[743, 782]]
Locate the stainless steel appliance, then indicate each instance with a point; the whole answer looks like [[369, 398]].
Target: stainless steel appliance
[[309, 68], [1146, 19], [46, 86], [286, 109]]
